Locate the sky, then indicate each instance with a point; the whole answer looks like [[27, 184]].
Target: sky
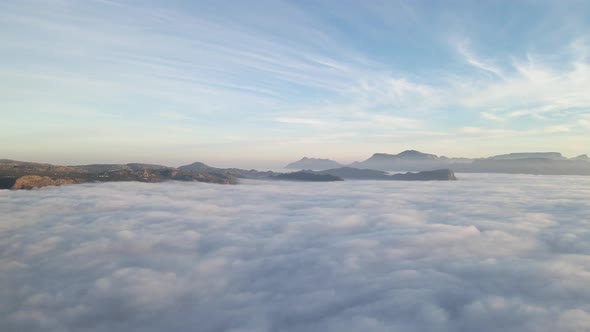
[[234, 83], [487, 253]]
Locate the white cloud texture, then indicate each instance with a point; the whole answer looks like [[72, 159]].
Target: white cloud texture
[[487, 253]]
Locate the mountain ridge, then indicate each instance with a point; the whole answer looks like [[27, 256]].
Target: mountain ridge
[[529, 155], [27, 175], [414, 160], [583, 157], [350, 173], [548, 163], [313, 163]]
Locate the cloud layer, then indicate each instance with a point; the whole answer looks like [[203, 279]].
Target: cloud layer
[[488, 253]]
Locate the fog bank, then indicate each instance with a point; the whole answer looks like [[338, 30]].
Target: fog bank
[[487, 253]]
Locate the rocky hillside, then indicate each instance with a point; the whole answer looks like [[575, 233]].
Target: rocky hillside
[[26, 175], [36, 181]]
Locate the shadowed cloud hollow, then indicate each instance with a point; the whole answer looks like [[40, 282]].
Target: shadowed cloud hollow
[[488, 253]]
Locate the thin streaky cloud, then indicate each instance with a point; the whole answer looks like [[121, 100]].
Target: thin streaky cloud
[[237, 67]]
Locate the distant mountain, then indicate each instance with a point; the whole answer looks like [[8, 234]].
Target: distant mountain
[[415, 155], [334, 174], [356, 173], [404, 155], [313, 163], [529, 155], [435, 175], [235, 172], [26, 175], [307, 176], [198, 166], [550, 163], [304, 175], [409, 160], [350, 173], [539, 166]]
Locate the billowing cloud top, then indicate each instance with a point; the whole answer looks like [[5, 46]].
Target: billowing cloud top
[[488, 253]]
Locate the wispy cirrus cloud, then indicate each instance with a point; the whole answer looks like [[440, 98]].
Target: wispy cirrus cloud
[[231, 68], [536, 88], [559, 129], [475, 61]]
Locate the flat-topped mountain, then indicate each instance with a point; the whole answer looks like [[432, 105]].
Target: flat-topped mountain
[[529, 155], [538, 166], [582, 157], [313, 163], [404, 155], [409, 160]]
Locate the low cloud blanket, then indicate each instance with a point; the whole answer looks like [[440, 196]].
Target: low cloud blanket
[[486, 253]]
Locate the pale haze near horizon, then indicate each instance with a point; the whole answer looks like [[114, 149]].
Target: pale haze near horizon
[[265, 83]]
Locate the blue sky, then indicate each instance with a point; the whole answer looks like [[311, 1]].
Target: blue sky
[[266, 82]]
